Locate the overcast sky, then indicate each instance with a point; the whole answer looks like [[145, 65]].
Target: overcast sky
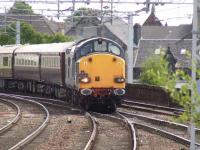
[[171, 13]]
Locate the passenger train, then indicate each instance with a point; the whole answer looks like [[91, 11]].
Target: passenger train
[[92, 70]]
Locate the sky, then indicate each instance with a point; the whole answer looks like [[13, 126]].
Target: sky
[[173, 14]]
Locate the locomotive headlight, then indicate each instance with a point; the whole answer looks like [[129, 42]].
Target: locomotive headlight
[[83, 77], [85, 80], [119, 80]]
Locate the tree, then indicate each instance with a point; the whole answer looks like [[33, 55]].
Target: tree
[[58, 37], [29, 35], [6, 39], [155, 71], [21, 7], [81, 12]]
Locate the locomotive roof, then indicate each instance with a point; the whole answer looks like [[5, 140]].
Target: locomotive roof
[[8, 49], [45, 48], [80, 43]]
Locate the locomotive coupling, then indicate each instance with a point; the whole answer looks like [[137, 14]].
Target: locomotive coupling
[[86, 92], [119, 92]]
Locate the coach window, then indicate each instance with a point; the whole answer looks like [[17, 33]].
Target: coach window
[[100, 46], [5, 61]]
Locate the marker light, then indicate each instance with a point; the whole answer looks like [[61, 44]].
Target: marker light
[[119, 80]]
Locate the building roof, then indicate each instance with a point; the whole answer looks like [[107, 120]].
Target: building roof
[[166, 32], [119, 28], [147, 48], [152, 20], [39, 22]]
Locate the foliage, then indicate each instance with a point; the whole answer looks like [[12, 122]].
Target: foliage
[[6, 39], [155, 72], [183, 97], [21, 7], [29, 35], [81, 12]]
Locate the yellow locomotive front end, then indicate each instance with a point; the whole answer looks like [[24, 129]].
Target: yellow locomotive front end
[[101, 75], [100, 72]]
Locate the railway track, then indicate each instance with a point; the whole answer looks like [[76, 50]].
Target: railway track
[[83, 138], [151, 108], [34, 118], [7, 120], [94, 142], [158, 107], [114, 132], [170, 130]]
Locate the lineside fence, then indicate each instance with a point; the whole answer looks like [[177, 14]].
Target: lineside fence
[[148, 94]]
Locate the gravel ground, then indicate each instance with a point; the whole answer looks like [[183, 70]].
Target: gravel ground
[[111, 136], [66, 131], [149, 141], [31, 119]]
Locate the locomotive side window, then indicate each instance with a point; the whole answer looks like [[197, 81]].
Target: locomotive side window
[[113, 49], [68, 68], [69, 61], [100, 46]]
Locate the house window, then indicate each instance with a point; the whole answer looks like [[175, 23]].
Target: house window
[[157, 51], [183, 51]]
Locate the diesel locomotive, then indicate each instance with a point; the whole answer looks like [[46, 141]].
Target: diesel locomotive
[[91, 70]]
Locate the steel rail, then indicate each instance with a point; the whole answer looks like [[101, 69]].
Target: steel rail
[[31, 136], [148, 110], [163, 133], [127, 122], [48, 101], [93, 122], [93, 136], [166, 134], [153, 106], [155, 120], [132, 131], [15, 119]]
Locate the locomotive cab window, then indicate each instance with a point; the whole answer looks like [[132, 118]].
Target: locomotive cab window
[[86, 49], [114, 49], [100, 46]]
